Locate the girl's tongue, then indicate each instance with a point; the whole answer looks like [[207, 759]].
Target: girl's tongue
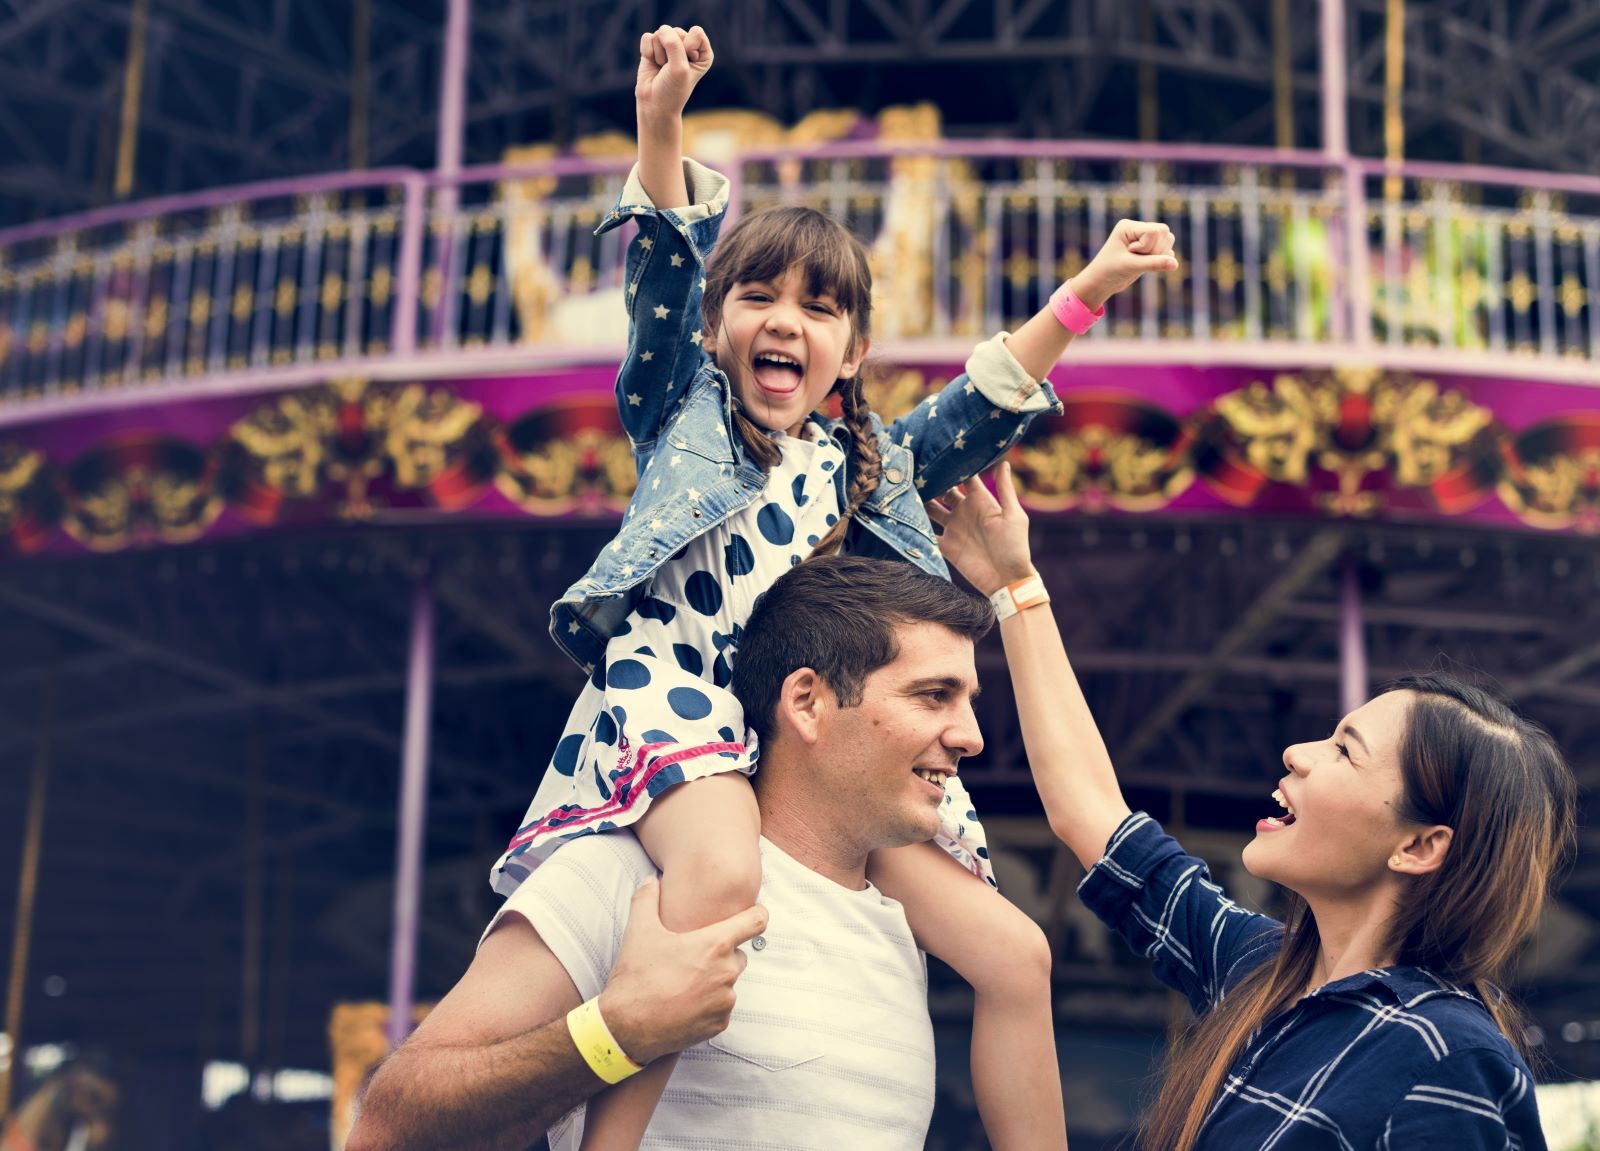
[[776, 377]]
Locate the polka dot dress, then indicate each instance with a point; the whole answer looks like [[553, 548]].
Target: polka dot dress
[[658, 711]]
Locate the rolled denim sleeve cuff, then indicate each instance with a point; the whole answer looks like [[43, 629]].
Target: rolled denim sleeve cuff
[[708, 197], [1003, 381]]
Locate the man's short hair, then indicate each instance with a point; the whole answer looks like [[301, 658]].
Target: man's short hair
[[838, 615]]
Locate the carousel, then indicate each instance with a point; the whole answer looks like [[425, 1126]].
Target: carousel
[[291, 472]]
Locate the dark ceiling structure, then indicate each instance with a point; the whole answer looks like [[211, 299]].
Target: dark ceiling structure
[[241, 90]]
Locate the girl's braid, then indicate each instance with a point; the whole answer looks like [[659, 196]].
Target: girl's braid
[[866, 467]]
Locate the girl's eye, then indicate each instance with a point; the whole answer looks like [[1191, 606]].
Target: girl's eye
[[1344, 750], [824, 309]]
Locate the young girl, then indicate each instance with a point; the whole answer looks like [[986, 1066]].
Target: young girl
[[728, 360], [1419, 842]]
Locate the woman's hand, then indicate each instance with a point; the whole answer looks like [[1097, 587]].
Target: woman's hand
[[671, 62], [1133, 248], [985, 539]]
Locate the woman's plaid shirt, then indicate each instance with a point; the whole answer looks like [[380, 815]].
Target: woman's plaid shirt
[[1393, 1058]]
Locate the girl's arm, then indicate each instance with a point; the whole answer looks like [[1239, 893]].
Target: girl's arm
[[1133, 248], [974, 420], [671, 62], [986, 540], [678, 207]]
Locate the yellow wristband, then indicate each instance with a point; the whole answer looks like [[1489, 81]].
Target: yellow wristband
[[597, 1045]]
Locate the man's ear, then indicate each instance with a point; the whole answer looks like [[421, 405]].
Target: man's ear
[[804, 703], [1423, 852], [855, 358]]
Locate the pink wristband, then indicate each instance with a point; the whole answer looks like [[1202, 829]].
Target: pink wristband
[[1073, 313]]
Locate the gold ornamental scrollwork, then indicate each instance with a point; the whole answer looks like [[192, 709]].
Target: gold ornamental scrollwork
[[1552, 474], [567, 457], [140, 488], [424, 431], [894, 394], [1426, 428], [1277, 426], [29, 505], [1104, 451], [1356, 441], [20, 469], [352, 434], [286, 441], [1373, 433]]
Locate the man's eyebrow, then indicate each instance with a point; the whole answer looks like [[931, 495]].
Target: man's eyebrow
[[949, 682], [1356, 735]]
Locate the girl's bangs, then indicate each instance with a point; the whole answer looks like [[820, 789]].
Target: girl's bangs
[[832, 269], [830, 259]]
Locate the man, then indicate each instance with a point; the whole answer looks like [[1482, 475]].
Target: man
[[857, 675]]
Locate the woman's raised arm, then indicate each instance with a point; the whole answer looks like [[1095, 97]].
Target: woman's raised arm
[[986, 540]]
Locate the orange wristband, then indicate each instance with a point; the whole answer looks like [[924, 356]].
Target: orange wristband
[[1019, 596]]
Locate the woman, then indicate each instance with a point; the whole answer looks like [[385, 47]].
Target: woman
[[1419, 842]]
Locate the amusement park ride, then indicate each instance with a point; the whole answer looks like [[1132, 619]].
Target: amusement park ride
[[290, 471]]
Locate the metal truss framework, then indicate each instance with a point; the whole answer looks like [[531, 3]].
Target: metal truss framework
[[237, 90], [234, 90]]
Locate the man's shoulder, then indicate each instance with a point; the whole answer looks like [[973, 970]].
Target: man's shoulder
[[579, 895]]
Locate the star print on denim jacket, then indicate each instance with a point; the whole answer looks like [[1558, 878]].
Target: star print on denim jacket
[[676, 406]]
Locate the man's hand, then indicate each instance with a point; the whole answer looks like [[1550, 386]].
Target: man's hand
[[671, 62], [984, 538], [1133, 248], [670, 990]]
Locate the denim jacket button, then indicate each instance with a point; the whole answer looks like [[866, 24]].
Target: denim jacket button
[[914, 553], [894, 475]]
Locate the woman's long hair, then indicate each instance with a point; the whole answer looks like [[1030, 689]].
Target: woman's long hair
[[1469, 762], [762, 248]]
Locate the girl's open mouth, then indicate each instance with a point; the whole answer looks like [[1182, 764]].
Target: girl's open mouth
[[777, 373]]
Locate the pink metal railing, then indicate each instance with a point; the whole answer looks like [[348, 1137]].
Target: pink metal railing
[[398, 270]]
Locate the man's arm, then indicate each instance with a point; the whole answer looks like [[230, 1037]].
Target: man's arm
[[493, 1065]]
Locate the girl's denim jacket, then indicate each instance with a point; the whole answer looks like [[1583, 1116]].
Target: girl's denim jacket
[[676, 407]]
